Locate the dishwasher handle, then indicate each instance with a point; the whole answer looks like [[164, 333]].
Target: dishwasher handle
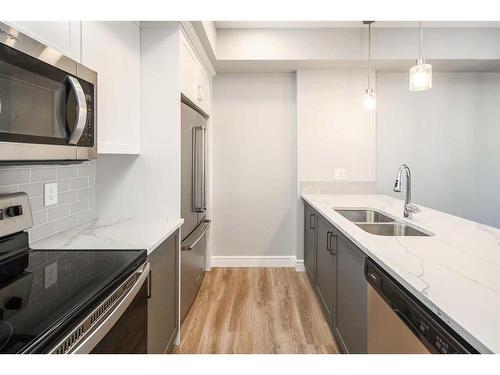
[[401, 315], [426, 325]]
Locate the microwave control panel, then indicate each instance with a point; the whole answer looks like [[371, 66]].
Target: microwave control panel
[[88, 135]]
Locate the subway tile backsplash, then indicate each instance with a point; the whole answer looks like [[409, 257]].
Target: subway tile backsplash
[[76, 194], [338, 187]]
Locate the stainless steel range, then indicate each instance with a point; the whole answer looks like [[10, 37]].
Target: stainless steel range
[[80, 301]]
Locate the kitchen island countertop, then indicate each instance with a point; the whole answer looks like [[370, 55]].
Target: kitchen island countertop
[[455, 272]]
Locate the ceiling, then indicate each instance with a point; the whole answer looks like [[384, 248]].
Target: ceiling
[[287, 66], [350, 24]]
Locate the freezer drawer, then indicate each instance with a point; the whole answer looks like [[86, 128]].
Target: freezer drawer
[[192, 265]]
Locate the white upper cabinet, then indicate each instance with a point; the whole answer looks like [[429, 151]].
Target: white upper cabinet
[[112, 49], [203, 88], [64, 36], [195, 81], [189, 67]]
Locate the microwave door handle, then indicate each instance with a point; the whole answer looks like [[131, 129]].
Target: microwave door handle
[[81, 113]]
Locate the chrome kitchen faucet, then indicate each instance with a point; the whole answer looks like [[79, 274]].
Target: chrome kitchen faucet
[[409, 208]]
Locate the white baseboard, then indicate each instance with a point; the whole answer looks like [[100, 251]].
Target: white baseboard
[[258, 261], [299, 265]]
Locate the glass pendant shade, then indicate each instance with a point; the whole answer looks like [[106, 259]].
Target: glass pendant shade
[[421, 76], [369, 101]]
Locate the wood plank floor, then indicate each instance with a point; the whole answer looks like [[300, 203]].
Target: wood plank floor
[[255, 310]]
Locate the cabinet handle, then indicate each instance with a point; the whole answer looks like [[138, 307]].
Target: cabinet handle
[[311, 225], [329, 236], [199, 92], [150, 282]]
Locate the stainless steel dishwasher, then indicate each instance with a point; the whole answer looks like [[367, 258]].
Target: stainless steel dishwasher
[[400, 324]]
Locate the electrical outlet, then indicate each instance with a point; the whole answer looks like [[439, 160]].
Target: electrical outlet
[[50, 194], [339, 174], [50, 275]]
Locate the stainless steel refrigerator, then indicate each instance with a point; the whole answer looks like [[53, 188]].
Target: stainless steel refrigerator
[[193, 204]]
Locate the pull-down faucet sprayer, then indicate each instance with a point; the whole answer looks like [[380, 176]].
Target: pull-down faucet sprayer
[[409, 208]]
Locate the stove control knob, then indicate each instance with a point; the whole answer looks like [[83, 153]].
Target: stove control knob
[[13, 211]]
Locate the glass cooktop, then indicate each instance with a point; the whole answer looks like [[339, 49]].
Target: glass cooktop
[[42, 292]]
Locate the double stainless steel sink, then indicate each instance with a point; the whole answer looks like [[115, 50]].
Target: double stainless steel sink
[[375, 222]]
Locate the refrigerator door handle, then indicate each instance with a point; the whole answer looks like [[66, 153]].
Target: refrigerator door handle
[[196, 187], [204, 170], [189, 245]]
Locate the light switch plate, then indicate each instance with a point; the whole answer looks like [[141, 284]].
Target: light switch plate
[[50, 275], [339, 173], [50, 194]]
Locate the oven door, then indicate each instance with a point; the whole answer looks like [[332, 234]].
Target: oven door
[[46, 110], [118, 325]]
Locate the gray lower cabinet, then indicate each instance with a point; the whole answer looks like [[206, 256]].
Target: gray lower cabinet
[[163, 300], [335, 265], [325, 269], [350, 305], [310, 220]]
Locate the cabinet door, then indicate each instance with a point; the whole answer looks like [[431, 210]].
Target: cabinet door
[[112, 49], [189, 72], [64, 36], [163, 301], [310, 223], [350, 306], [325, 269], [203, 89]]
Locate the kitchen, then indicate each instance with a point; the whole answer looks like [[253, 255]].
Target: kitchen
[[249, 187]]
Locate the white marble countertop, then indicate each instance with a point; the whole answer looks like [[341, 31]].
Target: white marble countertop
[[110, 233], [455, 272]]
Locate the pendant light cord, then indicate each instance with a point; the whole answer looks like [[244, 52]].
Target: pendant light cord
[[420, 59], [369, 54]]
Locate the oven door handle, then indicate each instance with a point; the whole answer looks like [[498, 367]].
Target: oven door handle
[[98, 334], [81, 113]]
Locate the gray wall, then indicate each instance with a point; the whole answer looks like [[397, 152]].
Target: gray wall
[[254, 165], [75, 199], [450, 137]]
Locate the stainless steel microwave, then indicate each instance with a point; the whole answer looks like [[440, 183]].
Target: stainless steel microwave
[[47, 103]]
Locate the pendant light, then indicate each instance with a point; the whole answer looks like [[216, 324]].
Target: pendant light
[[421, 73], [369, 98]]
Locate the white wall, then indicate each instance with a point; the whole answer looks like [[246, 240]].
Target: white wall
[[254, 165], [351, 43], [332, 130], [449, 136], [148, 185]]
